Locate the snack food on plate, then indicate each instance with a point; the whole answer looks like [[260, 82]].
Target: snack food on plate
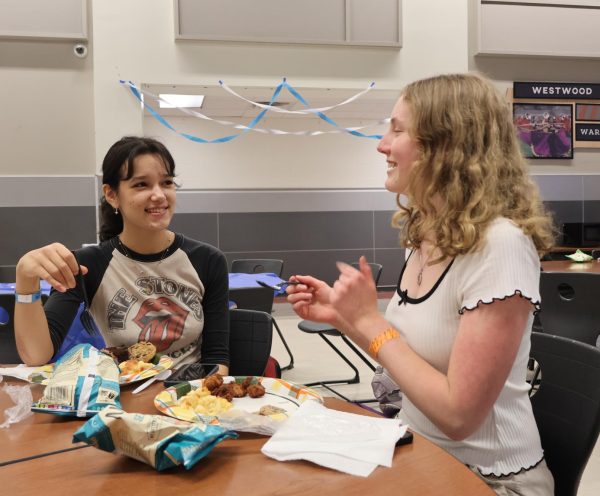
[[215, 397], [159, 441], [255, 390], [269, 410], [213, 381], [130, 367], [119, 353], [201, 401], [143, 351]]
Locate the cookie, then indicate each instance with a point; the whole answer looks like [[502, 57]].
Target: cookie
[[143, 351]]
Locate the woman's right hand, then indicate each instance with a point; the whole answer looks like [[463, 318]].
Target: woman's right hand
[[311, 301], [54, 263]]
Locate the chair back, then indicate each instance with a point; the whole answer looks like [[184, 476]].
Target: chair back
[[569, 305], [375, 270], [566, 406], [8, 345], [250, 338], [8, 273], [257, 265], [254, 298]]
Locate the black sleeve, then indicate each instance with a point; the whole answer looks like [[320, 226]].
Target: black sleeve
[[212, 269]]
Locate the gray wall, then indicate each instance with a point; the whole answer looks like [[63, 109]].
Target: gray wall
[[310, 231]]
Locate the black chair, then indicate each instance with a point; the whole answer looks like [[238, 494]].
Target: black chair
[[8, 345], [324, 330], [8, 273], [250, 338], [257, 265], [570, 305], [566, 406], [261, 299]]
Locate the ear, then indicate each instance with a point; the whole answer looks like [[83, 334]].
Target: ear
[[110, 195]]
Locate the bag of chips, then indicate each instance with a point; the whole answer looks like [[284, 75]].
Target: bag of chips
[[159, 441], [84, 381]]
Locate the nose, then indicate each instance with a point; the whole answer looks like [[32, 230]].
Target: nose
[[384, 145], [157, 193]]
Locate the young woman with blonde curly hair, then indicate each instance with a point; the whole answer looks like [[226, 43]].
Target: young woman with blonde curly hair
[[456, 334]]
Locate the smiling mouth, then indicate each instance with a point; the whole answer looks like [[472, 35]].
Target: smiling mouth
[[391, 166], [156, 211]]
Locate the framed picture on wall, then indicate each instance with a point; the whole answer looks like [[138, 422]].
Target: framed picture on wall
[[587, 112], [544, 131]]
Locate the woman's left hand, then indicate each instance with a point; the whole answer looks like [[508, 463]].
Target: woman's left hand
[[354, 296]]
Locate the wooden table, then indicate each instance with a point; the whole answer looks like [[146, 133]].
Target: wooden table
[[234, 467], [568, 266]]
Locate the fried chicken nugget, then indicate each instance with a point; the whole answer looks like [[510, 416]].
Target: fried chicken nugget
[[213, 381], [236, 390], [255, 390], [247, 382], [223, 392]]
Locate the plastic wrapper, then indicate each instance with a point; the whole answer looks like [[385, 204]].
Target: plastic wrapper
[[21, 397], [83, 383], [161, 442], [580, 256]]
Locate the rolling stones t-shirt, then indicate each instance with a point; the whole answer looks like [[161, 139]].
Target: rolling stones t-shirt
[[176, 299]]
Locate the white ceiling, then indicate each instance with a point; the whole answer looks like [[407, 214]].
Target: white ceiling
[[218, 103]]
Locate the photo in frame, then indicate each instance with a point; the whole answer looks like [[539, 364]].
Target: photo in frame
[[544, 131], [587, 112]]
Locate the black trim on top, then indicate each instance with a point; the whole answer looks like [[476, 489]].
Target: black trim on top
[[403, 294], [152, 257], [536, 304], [523, 469]]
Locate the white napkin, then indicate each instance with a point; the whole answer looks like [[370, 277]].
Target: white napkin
[[20, 371], [347, 442]]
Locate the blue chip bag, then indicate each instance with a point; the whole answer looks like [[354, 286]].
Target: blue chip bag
[[84, 381], [161, 442]]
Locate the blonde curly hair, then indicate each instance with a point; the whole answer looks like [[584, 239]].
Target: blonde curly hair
[[469, 158]]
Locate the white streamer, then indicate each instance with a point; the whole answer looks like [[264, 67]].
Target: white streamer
[[301, 112], [199, 115]]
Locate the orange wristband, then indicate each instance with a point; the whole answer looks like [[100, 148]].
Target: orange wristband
[[382, 338]]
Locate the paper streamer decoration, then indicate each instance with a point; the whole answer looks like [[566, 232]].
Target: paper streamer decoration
[[265, 108]]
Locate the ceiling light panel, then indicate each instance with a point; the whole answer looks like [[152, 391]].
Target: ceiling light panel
[[181, 101]]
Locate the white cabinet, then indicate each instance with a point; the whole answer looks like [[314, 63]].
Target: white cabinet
[[561, 28], [341, 22], [43, 19]]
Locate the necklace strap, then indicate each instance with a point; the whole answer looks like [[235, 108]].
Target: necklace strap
[[128, 253], [422, 266]]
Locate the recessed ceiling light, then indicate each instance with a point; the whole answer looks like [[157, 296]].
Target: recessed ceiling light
[[184, 101]]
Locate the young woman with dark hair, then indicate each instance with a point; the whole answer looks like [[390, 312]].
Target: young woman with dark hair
[[143, 282]]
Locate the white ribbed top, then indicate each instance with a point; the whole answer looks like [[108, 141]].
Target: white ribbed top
[[508, 440]]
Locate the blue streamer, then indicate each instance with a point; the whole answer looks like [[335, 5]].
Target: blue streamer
[[253, 123], [321, 115]]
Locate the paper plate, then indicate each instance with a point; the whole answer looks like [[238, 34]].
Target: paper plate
[[164, 363], [41, 375], [244, 413]]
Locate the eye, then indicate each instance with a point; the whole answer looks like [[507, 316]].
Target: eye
[[169, 183], [139, 185]]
